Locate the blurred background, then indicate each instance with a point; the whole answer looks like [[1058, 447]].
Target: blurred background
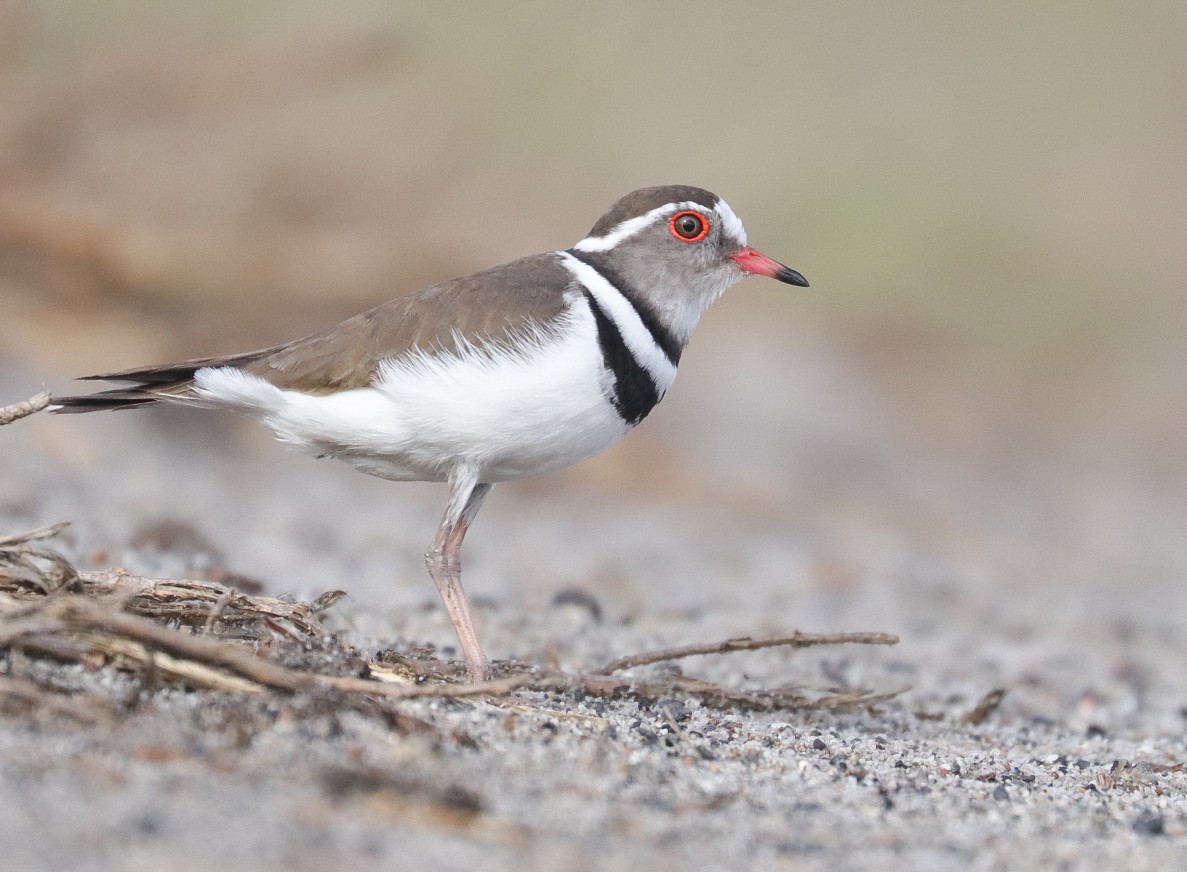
[[989, 200]]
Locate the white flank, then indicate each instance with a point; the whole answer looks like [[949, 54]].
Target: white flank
[[631, 226], [510, 410], [634, 332]]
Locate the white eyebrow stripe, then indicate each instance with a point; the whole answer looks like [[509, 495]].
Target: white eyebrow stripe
[[730, 223], [631, 226], [634, 332]]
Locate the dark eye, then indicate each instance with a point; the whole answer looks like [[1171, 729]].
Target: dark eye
[[689, 226]]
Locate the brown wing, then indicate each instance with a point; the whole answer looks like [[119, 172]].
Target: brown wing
[[484, 307]]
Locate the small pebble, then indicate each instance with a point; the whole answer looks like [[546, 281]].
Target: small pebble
[[674, 709], [1149, 823], [582, 599]]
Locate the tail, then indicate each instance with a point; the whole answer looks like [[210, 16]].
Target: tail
[[148, 385]]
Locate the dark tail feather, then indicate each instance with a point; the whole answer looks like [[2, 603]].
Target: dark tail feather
[[125, 398], [173, 374], [149, 384]]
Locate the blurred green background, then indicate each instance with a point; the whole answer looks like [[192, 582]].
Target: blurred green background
[[989, 200]]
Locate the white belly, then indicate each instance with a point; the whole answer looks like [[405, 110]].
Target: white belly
[[508, 413]]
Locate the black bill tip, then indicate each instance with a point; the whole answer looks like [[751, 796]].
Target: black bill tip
[[791, 276]]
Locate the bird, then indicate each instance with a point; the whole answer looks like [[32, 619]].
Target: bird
[[507, 373]]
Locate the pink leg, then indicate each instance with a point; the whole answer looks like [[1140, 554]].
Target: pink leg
[[445, 569]]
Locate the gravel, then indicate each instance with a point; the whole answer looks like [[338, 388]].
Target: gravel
[[1073, 609]]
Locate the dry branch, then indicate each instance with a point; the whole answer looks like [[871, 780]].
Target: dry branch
[[176, 630], [987, 705], [216, 610], [33, 535], [85, 616], [28, 573], [746, 643], [23, 409]]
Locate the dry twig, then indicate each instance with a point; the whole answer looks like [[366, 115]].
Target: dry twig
[[24, 538], [745, 643], [988, 704], [48, 608], [86, 616], [216, 610], [23, 409]]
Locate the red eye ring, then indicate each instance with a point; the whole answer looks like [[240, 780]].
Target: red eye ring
[[689, 231]]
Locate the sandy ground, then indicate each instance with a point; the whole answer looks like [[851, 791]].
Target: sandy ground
[[1082, 766]]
